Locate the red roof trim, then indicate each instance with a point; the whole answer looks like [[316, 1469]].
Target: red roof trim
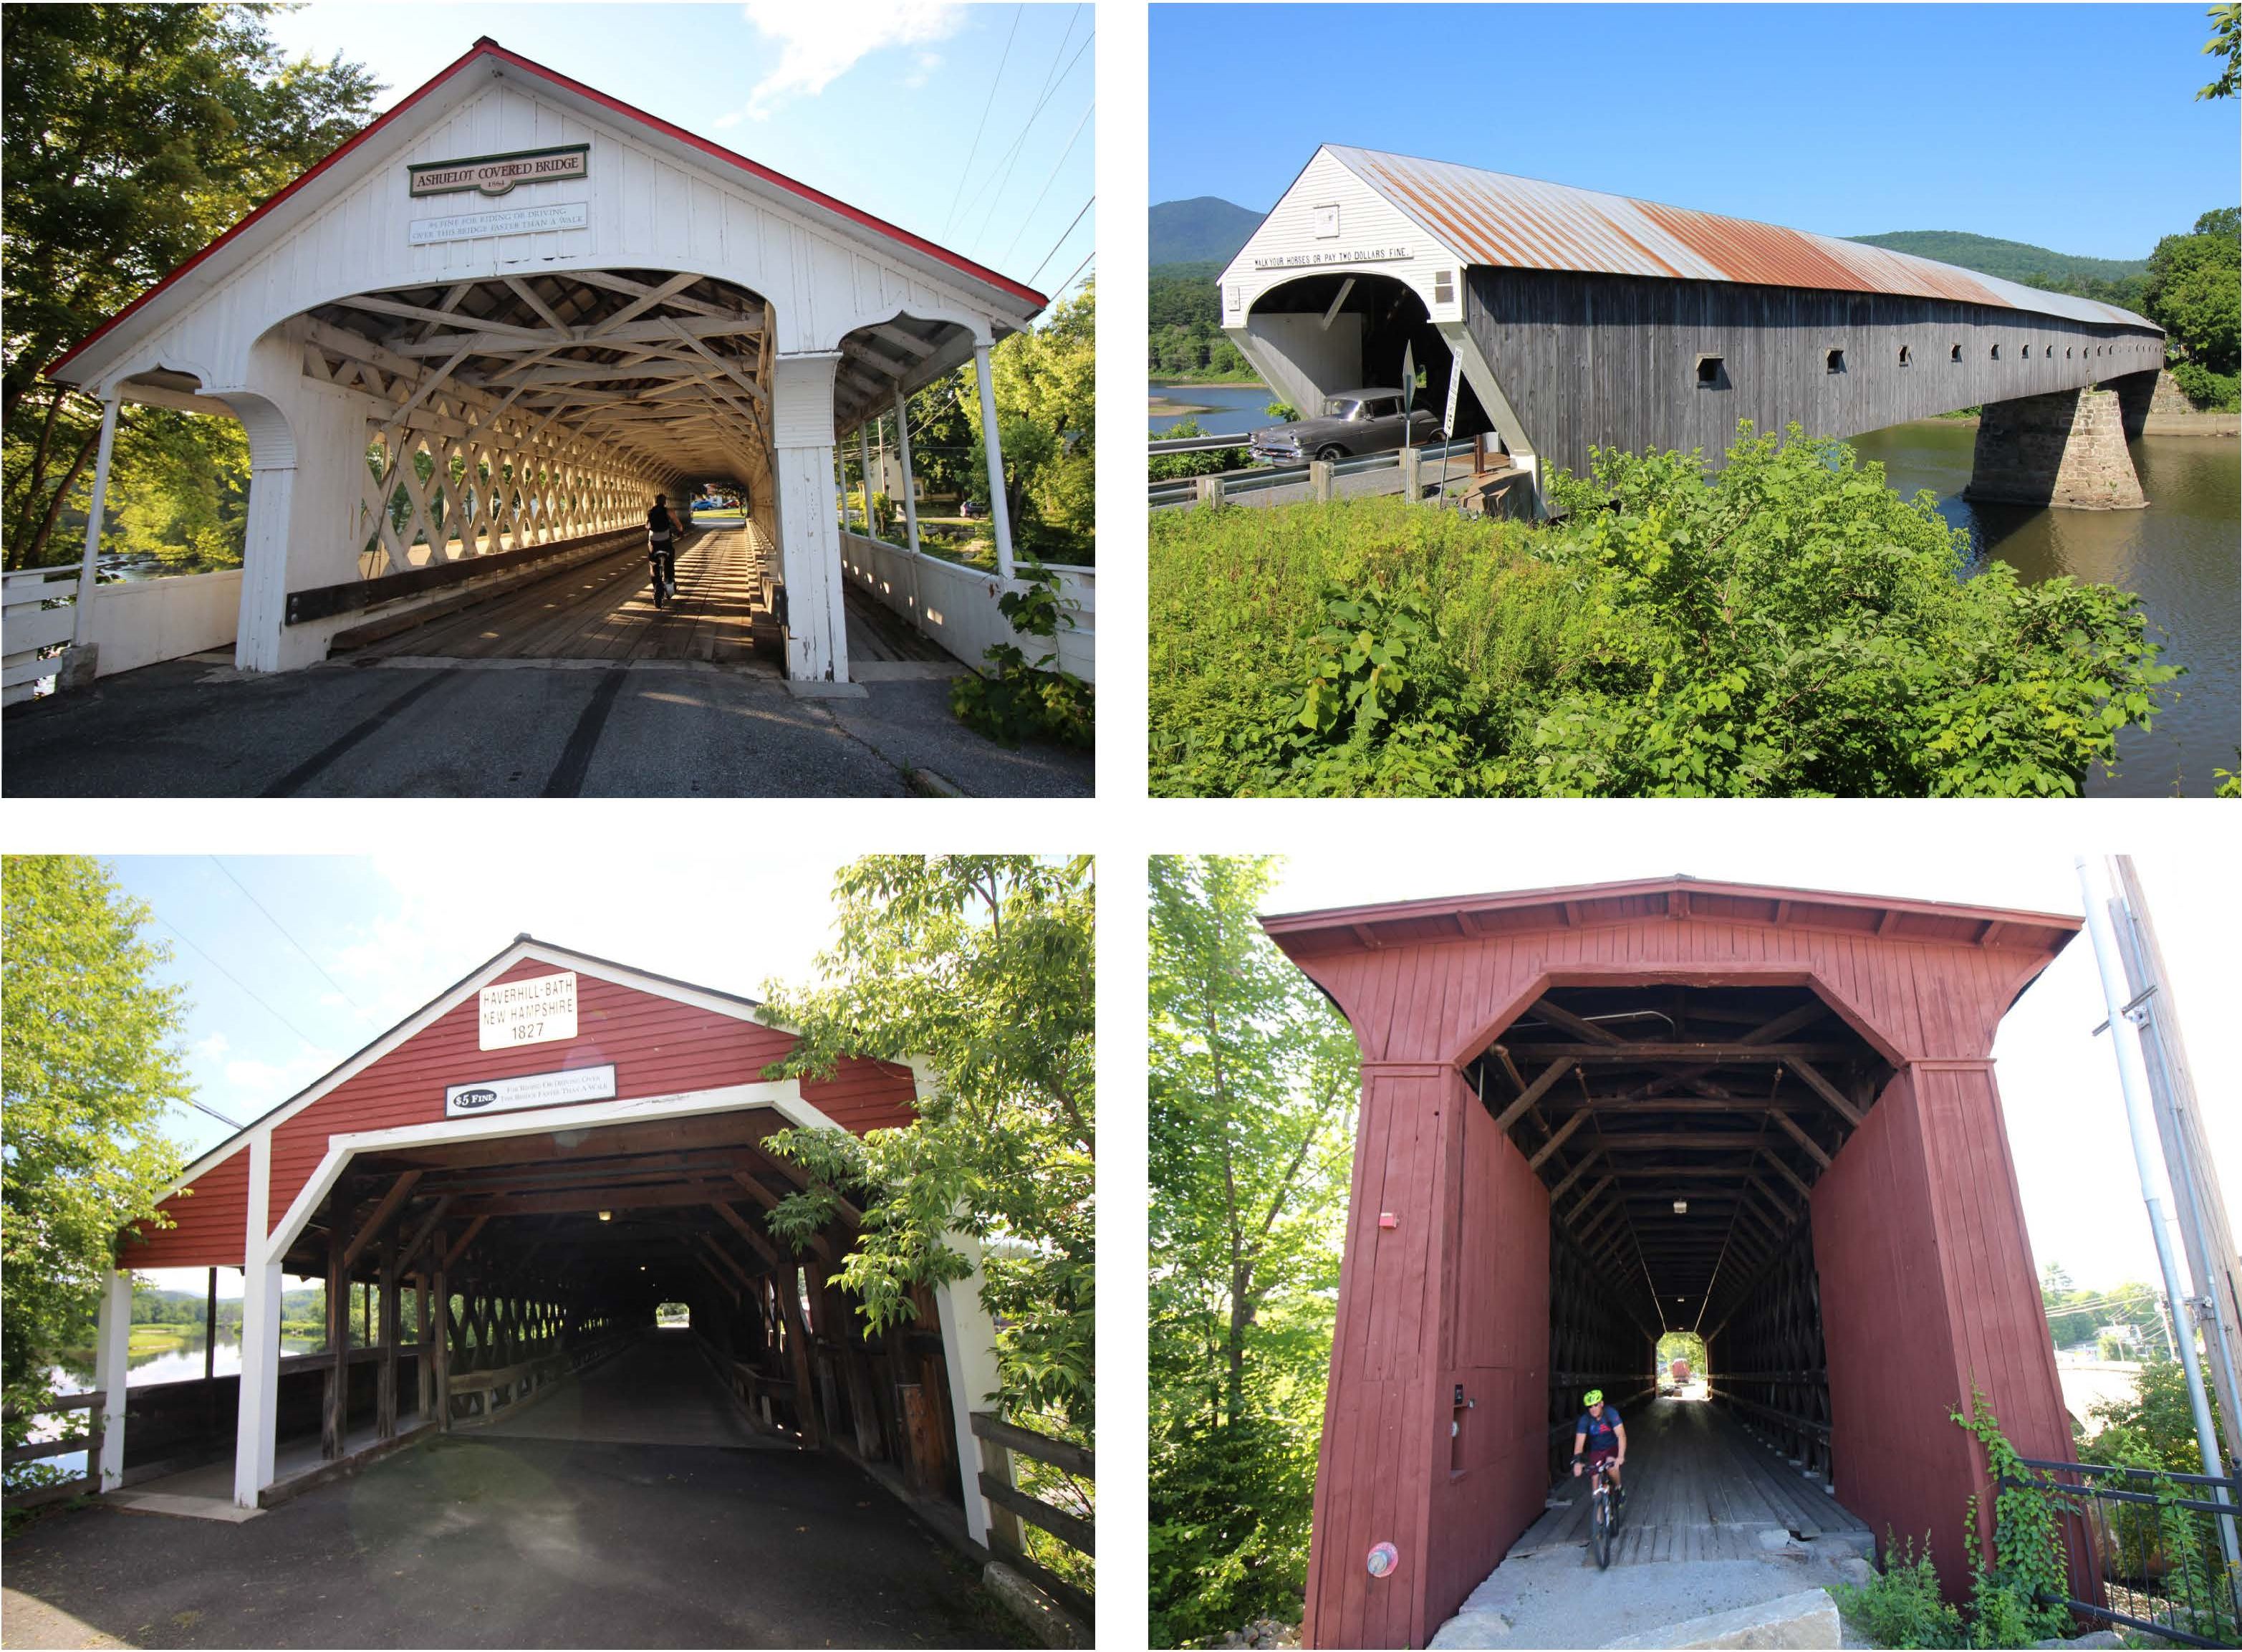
[[486, 47]]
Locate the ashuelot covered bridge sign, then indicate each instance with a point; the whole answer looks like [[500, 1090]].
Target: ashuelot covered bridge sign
[[500, 319]]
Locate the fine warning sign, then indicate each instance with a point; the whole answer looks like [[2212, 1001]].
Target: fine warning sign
[[538, 1011]]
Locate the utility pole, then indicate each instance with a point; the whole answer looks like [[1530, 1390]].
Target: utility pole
[[2198, 1205], [2132, 1082]]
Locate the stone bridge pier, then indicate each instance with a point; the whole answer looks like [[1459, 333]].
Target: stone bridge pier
[[2067, 449]]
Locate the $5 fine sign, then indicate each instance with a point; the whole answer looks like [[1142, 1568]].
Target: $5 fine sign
[[538, 1011]]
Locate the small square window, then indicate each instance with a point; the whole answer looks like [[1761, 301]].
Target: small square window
[[1997, 352], [1903, 355], [1327, 222], [1444, 286], [2027, 352], [1833, 360], [1956, 356], [1709, 372]]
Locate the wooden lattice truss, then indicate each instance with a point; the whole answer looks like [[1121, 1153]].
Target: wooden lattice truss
[[1768, 1361], [517, 410], [1596, 1341], [1630, 1101]]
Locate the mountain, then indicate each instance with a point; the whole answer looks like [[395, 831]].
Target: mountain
[[2011, 260], [1202, 229]]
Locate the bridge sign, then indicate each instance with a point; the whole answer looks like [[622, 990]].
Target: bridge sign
[[537, 1010], [530, 1090]]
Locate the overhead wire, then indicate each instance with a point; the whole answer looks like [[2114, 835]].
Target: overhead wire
[[1048, 181], [237, 980], [985, 108], [1063, 233], [284, 935], [1011, 157]]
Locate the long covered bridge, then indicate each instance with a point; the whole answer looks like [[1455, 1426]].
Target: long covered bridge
[[1567, 319], [512, 1180], [1594, 1115], [470, 345]]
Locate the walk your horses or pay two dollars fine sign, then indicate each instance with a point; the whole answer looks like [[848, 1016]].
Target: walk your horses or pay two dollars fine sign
[[539, 1010]]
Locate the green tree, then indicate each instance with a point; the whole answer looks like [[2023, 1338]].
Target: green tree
[[88, 1062], [1045, 381], [133, 135], [2226, 42], [1251, 1078], [2194, 293], [982, 968]]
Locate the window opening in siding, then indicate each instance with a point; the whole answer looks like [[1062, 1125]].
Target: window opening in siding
[[1903, 355], [1997, 352], [1956, 356], [1833, 361], [1709, 372], [2027, 352], [1444, 286]]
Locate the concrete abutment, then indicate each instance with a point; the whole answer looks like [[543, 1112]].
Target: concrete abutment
[[2067, 449]]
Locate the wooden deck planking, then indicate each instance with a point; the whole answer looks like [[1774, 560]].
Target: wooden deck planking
[[1699, 1489]]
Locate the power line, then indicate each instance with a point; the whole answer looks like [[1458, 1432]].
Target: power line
[[1063, 233], [1011, 156], [1078, 269], [284, 935], [1048, 181], [985, 108], [238, 981]]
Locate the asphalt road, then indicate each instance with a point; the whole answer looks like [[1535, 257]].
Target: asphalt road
[[482, 1542], [505, 728]]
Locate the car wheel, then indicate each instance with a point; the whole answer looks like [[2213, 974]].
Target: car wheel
[[1331, 451]]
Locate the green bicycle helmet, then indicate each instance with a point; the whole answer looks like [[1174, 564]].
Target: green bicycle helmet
[[1592, 1397]]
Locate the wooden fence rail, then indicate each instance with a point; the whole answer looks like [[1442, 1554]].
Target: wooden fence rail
[[89, 1442], [1008, 1505]]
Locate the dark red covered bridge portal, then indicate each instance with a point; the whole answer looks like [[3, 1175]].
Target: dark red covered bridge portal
[[1593, 1114]]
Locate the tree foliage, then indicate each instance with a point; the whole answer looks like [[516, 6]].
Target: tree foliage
[[980, 967], [1251, 1078], [133, 135], [1045, 380], [2194, 293], [1789, 627], [1186, 341], [89, 1063], [2226, 42]]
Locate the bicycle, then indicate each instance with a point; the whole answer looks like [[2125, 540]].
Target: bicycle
[[1608, 1505]]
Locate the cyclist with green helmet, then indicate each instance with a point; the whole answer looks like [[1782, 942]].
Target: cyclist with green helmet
[[1602, 1434]]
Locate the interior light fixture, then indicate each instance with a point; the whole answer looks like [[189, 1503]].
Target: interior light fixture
[[1680, 1207], [607, 1216]]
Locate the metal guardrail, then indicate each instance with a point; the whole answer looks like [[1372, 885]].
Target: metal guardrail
[[2159, 1561], [1198, 444], [1008, 1505], [1184, 490]]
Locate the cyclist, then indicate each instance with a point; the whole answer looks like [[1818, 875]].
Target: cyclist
[[662, 551], [1603, 1434]]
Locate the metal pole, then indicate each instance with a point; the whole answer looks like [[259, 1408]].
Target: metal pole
[[2132, 1082]]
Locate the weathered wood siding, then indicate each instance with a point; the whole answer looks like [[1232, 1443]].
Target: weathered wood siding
[[1611, 360], [1923, 1230], [659, 1047]]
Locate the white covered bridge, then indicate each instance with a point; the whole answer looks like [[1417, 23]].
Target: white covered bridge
[[475, 340]]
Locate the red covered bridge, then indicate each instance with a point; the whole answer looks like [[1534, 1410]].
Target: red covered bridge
[[527, 1166], [1591, 1115]]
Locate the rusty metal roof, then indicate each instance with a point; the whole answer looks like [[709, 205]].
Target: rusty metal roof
[[1523, 223]]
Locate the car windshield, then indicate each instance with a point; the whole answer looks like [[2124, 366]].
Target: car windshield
[[1342, 407]]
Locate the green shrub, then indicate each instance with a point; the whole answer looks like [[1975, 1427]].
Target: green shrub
[[1228, 1540], [1790, 627], [1016, 699], [2211, 391], [2017, 1592], [1901, 1606], [1209, 461]]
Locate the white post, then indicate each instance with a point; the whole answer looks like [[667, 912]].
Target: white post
[[810, 547], [969, 1349], [112, 1361], [82, 622], [864, 468], [993, 446], [260, 1340], [903, 457]]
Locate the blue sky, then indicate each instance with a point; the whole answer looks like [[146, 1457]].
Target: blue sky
[[878, 102], [2071, 126]]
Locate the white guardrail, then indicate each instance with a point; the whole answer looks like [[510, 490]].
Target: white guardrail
[[957, 607], [135, 622]]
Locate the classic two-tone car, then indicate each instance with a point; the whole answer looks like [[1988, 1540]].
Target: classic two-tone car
[[1353, 422]]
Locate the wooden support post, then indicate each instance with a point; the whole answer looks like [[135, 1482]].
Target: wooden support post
[[797, 1344], [335, 1411], [384, 1402], [1003, 1524], [440, 1349], [1210, 491], [424, 1369], [1533, 1092]]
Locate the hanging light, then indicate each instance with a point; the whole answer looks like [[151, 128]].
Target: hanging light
[[1680, 1207], [607, 1216]]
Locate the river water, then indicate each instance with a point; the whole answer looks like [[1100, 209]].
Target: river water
[[1237, 410], [2180, 556]]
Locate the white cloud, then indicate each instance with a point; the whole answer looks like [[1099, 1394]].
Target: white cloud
[[818, 44], [262, 1085], [214, 1047]]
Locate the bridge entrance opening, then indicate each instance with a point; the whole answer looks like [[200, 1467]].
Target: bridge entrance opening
[[1340, 331], [1678, 1130]]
